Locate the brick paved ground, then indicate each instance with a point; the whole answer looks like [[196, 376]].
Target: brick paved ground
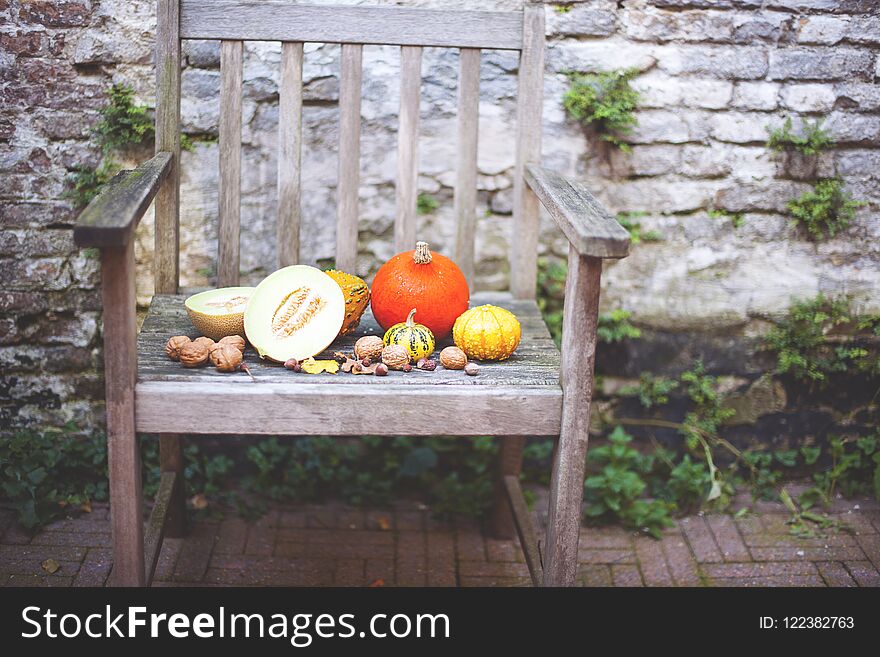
[[337, 545]]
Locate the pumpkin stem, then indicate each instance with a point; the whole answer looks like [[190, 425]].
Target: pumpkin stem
[[410, 321], [421, 256]]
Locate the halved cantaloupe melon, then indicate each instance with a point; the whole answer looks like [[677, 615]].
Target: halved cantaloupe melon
[[218, 313], [295, 312]]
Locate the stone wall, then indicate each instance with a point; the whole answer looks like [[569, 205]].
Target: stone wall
[[714, 73]]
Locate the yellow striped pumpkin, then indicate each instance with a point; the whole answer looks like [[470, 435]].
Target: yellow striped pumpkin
[[417, 339], [487, 333]]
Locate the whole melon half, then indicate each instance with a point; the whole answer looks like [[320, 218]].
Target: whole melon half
[[218, 313], [295, 312]]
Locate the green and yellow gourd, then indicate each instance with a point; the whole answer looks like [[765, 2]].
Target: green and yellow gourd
[[417, 339]]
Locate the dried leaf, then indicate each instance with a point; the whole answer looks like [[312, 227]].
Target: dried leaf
[[384, 523], [313, 366], [86, 507], [199, 502], [51, 566], [377, 583]]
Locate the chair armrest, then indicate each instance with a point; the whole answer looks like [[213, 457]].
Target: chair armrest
[[112, 216], [587, 225]]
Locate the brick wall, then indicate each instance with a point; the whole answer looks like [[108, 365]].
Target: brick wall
[[714, 73]]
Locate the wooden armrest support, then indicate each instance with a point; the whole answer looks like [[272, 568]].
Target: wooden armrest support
[[587, 225], [112, 216]]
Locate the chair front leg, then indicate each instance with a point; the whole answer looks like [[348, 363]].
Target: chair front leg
[[171, 460], [123, 447], [579, 326]]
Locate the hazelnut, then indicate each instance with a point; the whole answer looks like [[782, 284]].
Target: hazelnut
[[226, 358], [174, 345], [193, 354], [453, 358], [381, 369], [366, 362], [429, 365], [291, 363], [235, 340], [420, 363], [471, 369], [396, 357], [407, 368], [369, 346], [208, 342]]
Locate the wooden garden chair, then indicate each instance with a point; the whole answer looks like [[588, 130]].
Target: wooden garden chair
[[536, 392]]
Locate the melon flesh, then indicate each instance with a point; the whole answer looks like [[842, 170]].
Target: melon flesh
[[295, 312], [218, 313]]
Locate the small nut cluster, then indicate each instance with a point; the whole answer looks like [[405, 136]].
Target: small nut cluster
[[226, 355], [453, 358], [369, 346], [396, 357]]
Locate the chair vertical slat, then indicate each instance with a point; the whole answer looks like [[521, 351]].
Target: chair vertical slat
[[530, 99], [408, 148], [230, 162], [289, 153], [166, 267], [466, 164], [349, 157]]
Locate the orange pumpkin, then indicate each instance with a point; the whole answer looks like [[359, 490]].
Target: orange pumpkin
[[430, 283]]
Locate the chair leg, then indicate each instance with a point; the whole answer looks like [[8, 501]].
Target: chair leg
[[580, 322], [509, 463], [123, 447], [171, 460]]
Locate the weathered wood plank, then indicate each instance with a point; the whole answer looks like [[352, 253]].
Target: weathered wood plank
[[535, 362], [230, 162], [320, 409], [349, 158], [166, 263], [279, 20], [110, 219], [582, 219], [509, 463], [123, 449], [290, 153], [465, 200], [529, 105], [155, 533], [407, 190], [528, 538], [579, 326]]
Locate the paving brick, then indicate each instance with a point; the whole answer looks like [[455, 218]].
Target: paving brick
[[95, 568], [38, 580], [291, 576], [261, 537], [171, 548], [83, 524], [469, 545], [762, 582], [701, 540], [41, 552], [349, 572], [727, 537], [33, 566], [863, 572], [681, 562], [195, 554], [351, 518], [607, 556], [835, 574], [652, 562], [596, 575], [322, 517], [807, 554], [232, 536], [80, 539], [441, 569], [501, 550], [787, 540], [295, 518], [767, 569], [410, 559], [409, 520], [750, 525], [379, 569], [604, 538], [495, 581], [492, 569], [871, 545], [626, 575], [16, 535]]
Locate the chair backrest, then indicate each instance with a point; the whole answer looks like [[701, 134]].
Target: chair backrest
[[235, 21]]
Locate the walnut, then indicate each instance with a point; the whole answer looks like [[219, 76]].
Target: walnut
[[395, 357], [193, 354], [174, 345], [235, 340], [208, 342], [453, 358], [226, 358], [369, 346]]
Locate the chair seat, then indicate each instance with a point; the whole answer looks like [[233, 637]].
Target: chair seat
[[519, 396]]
